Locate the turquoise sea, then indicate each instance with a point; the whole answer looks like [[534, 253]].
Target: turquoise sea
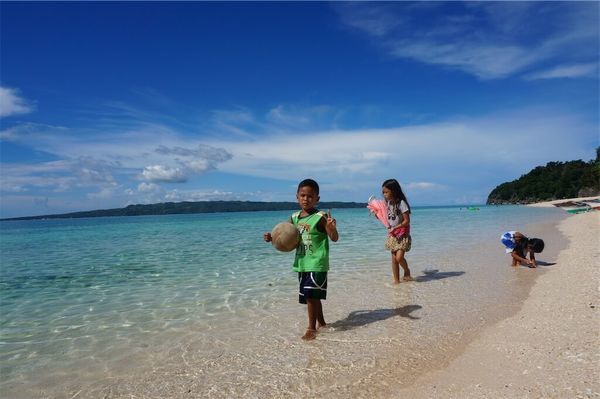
[[159, 306]]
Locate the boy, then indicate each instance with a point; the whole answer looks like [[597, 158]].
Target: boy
[[517, 245], [312, 253]]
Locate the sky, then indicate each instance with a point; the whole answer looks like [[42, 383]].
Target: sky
[[107, 104]]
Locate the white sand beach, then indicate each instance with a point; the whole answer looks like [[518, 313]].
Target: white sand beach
[[550, 348]]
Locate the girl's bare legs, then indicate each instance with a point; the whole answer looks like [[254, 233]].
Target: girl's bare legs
[[395, 268], [399, 255]]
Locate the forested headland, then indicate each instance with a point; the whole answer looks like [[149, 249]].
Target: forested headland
[[555, 180]]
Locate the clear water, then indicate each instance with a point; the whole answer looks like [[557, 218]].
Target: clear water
[[159, 305]]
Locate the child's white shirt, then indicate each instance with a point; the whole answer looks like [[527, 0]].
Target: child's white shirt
[[394, 219]]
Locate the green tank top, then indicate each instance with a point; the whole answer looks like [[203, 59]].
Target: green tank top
[[312, 254]]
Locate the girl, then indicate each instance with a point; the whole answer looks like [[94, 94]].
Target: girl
[[398, 241]]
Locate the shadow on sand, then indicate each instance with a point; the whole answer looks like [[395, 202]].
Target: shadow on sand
[[542, 263], [429, 275], [359, 318]]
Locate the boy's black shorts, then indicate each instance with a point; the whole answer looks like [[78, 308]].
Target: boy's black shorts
[[312, 285]]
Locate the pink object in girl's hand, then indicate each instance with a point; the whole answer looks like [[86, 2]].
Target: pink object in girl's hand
[[400, 231], [378, 208]]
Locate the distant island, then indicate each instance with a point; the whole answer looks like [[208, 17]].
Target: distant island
[[171, 208], [556, 180]]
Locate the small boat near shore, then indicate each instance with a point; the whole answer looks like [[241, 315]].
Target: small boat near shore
[[579, 206]]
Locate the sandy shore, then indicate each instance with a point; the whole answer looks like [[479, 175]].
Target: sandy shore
[[550, 348], [550, 204]]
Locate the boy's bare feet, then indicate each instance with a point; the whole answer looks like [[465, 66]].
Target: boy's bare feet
[[309, 334], [325, 328], [407, 278]]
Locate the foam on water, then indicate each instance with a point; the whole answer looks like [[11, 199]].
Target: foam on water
[[166, 305]]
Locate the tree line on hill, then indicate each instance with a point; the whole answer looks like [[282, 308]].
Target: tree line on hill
[[556, 180], [171, 208]]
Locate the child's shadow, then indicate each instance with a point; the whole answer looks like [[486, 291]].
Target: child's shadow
[[359, 318], [542, 263], [434, 274]]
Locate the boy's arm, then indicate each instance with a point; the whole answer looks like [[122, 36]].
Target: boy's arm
[[330, 225]]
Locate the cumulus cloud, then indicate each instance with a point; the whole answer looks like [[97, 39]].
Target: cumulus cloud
[[449, 149], [490, 40], [164, 174], [57, 176], [144, 187], [11, 103], [198, 160], [150, 152], [348, 163]]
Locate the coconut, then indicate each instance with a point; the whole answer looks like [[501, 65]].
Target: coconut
[[285, 237]]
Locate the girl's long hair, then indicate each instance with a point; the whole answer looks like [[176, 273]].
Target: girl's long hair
[[394, 187]]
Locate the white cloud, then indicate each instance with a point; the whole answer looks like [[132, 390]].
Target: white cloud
[[449, 151], [349, 164], [156, 154], [588, 70], [144, 187], [12, 104], [424, 186], [484, 61], [151, 152], [377, 21], [57, 176], [104, 193], [280, 116], [490, 40], [165, 174]]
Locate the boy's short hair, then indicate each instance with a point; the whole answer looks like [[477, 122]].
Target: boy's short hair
[[536, 244], [309, 183]]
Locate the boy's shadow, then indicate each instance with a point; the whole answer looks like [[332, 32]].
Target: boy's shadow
[[429, 275], [359, 318]]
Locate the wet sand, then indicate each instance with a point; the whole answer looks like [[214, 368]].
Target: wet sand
[[550, 348]]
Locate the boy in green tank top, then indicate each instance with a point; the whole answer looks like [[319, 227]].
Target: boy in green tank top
[[312, 254]]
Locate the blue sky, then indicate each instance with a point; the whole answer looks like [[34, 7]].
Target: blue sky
[[106, 104]]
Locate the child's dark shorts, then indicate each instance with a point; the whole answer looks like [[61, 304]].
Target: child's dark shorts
[[313, 285]]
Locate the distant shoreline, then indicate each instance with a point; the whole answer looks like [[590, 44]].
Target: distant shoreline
[[187, 207]]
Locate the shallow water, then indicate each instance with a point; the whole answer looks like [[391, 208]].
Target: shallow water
[[199, 304]]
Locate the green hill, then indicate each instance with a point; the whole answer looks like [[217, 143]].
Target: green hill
[[170, 208], [556, 180]]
